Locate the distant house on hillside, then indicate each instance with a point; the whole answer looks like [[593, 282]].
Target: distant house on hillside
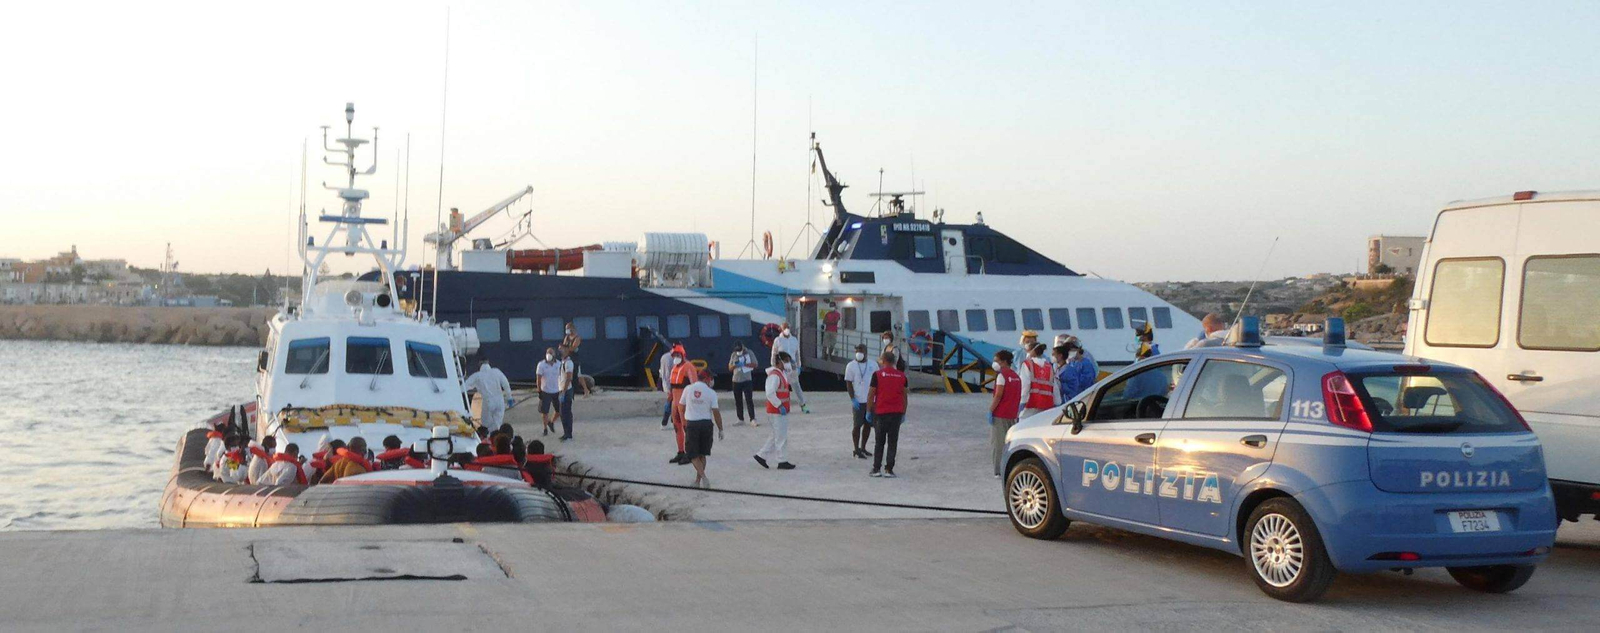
[[1398, 254]]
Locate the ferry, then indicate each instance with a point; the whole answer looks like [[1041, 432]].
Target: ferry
[[950, 294], [348, 363]]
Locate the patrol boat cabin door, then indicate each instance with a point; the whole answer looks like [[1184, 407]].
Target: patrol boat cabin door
[[955, 252]]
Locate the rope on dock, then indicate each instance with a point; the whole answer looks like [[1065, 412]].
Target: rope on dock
[[773, 495]]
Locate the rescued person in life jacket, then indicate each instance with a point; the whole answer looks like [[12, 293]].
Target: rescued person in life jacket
[[286, 468], [352, 460]]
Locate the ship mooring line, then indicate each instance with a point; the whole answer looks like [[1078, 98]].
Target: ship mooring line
[[774, 495]]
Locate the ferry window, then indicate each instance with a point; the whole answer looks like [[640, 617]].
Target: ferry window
[[977, 320], [739, 325], [1087, 320], [880, 321], [980, 246], [649, 323], [616, 327], [551, 328], [424, 360], [1560, 296], [917, 320], [1009, 251], [488, 330], [584, 326], [950, 320], [925, 247], [307, 356], [1113, 318], [367, 355], [1163, 318], [1060, 319], [1032, 319], [1237, 391], [1464, 303], [1138, 317], [710, 325], [519, 330], [678, 326], [1005, 320], [857, 277]]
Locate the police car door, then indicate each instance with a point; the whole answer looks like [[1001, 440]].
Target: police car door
[[1107, 465], [1222, 438]]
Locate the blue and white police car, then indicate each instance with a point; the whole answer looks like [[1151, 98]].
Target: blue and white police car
[[1306, 460]]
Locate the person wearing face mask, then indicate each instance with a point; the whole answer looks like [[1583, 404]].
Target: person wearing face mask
[[683, 375], [1078, 371], [857, 380], [1025, 349], [548, 375], [664, 374], [493, 389], [569, 388], [782, 389], [1005, 406], [1041, 377], [789, 344], [742, 364]]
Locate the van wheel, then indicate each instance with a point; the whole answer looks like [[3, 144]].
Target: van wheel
[[1287, 559], [1492, 578], [1031, 501]]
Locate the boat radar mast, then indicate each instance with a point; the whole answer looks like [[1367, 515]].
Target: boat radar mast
[[355, 238]]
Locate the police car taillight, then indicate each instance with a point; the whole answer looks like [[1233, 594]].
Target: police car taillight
[[1479, 377], [1344, 405]]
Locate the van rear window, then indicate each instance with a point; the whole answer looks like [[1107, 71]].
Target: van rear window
[[1433, 402]]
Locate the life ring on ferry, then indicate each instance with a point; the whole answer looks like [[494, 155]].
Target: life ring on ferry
[[769, 333], [919, 342], [766, 244]]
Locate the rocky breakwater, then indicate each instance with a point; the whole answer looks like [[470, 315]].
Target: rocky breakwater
[[118, 324]]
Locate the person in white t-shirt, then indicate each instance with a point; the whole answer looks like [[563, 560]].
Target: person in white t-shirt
[[549, 374], [857, 380], [698, 406]]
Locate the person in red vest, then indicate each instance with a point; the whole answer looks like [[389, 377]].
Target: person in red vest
[[781, 389], [1041, 377], [886, 398], [683, 375], [1005, 406]]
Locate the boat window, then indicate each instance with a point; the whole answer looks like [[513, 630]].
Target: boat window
[[857, 277], [424, 360], [1059, 319], [651, 323], [1113, 318], [1560, 296], [977, 321], [1005, 320], [1138, 317], [739, 325], [949, 320], [1087, 320], [307, 356], [263, 361], [917, 321], [551, 328], [519, 330], [488, 330], [880, 321], [584, 326], [1163, 318], [710, 325], [367, 355], [678, 326], [1464, 304], [926, 247], [1032, 319], [1009, 251], [616, 327]]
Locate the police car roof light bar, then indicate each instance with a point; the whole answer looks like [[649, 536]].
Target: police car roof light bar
[[1333, 332], [1249, 332]]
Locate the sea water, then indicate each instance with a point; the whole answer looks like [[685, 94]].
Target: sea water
[[88, 430]]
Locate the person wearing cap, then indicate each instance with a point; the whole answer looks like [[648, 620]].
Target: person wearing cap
[[1146, 336], [1028, 340], [1212, 333], [683, 375], [742, 363], [1077, 370], [698, 407]]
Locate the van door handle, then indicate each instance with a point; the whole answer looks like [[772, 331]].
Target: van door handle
[[1145, 438], [1526, 376], [1254, 441]]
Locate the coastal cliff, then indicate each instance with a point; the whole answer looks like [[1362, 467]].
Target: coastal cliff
[[118, 324]]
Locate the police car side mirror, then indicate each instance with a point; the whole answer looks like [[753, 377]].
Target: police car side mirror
[[1073, 413]]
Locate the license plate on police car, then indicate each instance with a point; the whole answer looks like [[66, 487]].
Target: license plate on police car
[[1474, 521]]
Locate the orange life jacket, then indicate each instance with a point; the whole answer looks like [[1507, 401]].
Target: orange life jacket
[[299, 473], [783, 389]]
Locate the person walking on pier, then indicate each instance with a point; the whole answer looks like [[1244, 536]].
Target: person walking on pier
[[548, 376], [493, 390], [669, 360], [787, 343], [698, 406], [886, 398], [1005, 406], [743, 363], [569, 388], [782, 390], [683, 375], [857, 380]]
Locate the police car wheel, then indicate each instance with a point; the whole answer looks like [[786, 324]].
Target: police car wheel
[[1031, 501], [1492, 578], [1285, 552]]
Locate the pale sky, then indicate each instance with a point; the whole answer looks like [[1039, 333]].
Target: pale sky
[[1140, 141]]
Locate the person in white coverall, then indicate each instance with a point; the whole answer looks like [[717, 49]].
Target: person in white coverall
[[493, 388], [789, 344], [783, 391]]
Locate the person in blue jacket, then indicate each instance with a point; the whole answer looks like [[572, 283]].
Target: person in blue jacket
[[1075, 368]]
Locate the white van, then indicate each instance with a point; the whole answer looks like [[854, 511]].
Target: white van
[[1510, 287]]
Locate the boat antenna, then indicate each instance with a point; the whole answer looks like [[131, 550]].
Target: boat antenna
[[1259, 272], [438, 209], [304, 265], [755, 69]]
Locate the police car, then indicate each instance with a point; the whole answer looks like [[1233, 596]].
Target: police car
[[1306, 460]]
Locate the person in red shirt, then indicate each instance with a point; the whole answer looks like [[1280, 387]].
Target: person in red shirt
[[1005, 406], [683, 375], [886, 398]]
